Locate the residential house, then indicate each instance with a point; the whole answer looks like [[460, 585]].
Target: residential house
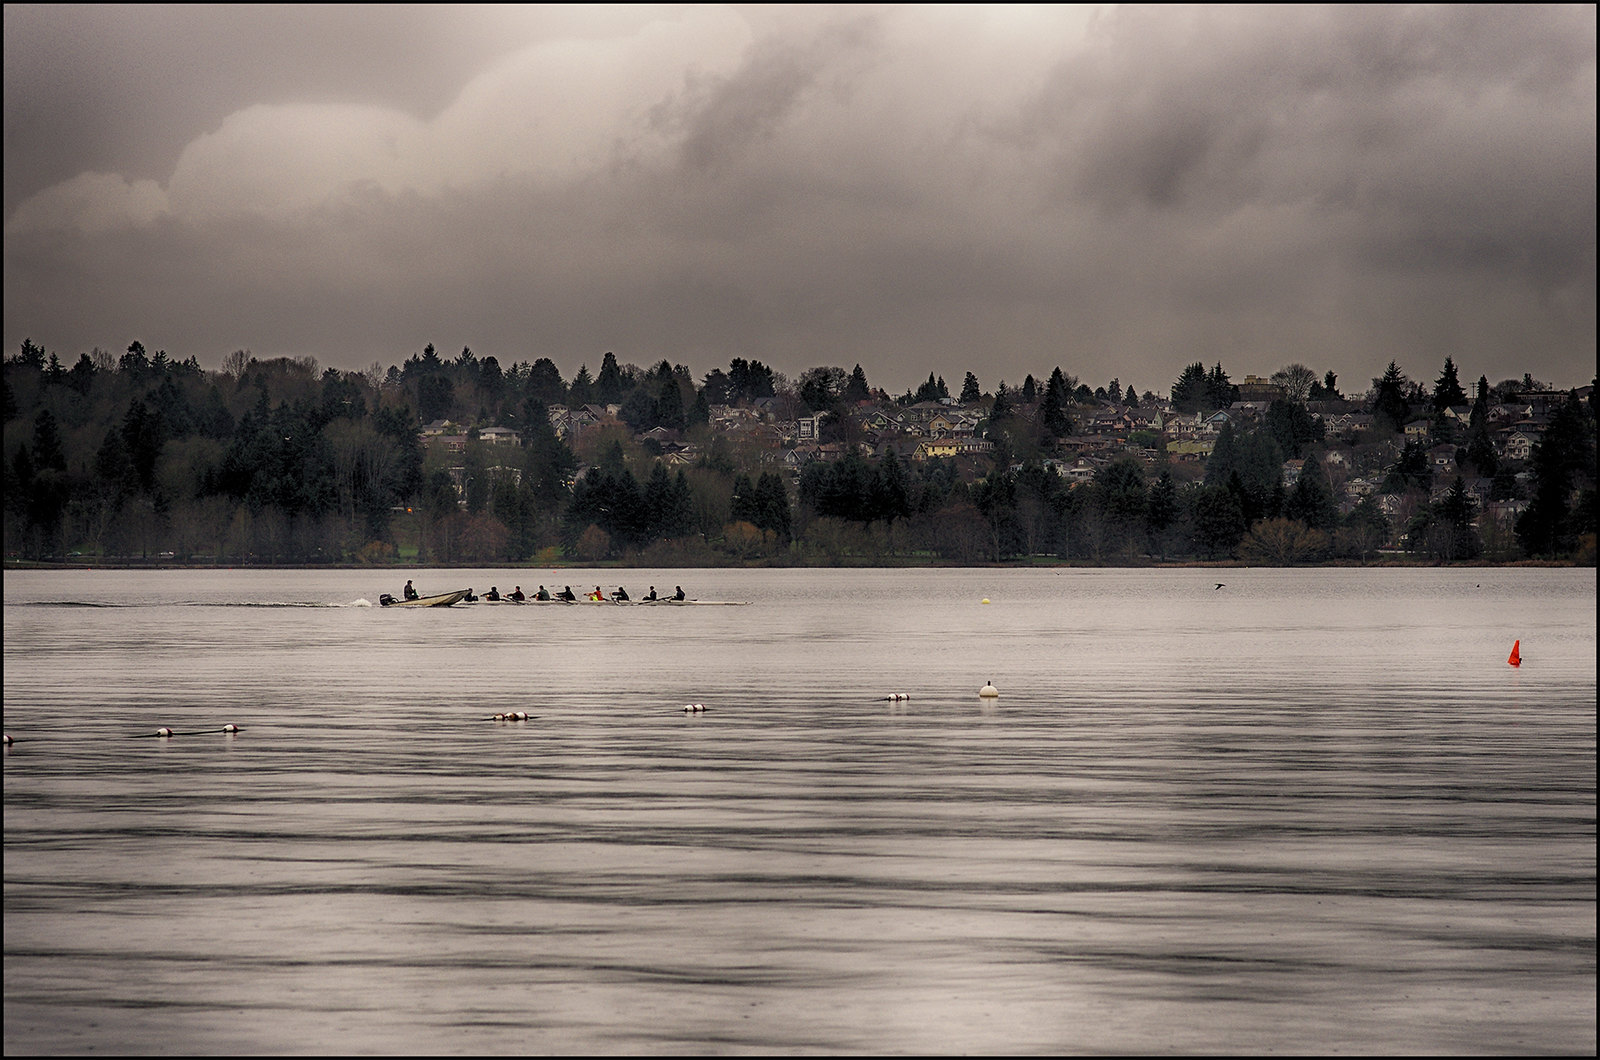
[[1248, 411], [1442, 459], [1192, 450], [499, 436], [937, 448], [1517, 445], [450, 443], [1340, 459]]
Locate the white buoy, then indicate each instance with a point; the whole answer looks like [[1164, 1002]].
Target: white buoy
[[230, 727], [163, 731], [989, 691], [898, 697], [9, 740]]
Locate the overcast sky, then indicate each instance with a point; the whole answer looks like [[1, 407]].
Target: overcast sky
[[1118, 191]]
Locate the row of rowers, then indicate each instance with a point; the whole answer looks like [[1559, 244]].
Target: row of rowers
[[566, 594]]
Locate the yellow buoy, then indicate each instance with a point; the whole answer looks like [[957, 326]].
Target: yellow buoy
[[985, 599]]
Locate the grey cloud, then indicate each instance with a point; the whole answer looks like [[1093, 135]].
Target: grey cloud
[[915, 190]]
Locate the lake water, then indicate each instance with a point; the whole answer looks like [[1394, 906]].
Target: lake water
[[1310, 811]]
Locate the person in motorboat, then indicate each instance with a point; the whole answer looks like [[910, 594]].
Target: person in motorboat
[[492, 594], [567, 595], [517, 594], [620, 596], [651, 595], [542, 594], [411, 591], [679, 594]]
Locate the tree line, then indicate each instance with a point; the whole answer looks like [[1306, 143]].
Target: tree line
[[276, 461]]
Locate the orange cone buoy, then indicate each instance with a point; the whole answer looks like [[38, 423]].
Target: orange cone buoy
[[1516, 654]]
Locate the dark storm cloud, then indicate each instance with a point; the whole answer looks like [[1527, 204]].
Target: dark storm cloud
[[915, 189]]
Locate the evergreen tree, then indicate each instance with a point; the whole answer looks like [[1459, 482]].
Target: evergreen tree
[[81, 377], [1390, 406], [1452, 535], [1412, 471], [608, 384], [669, 406], [1219, 465], [856, 389], [1218, 521], [1293, 428], [1311, 501], [1001, 410], [970, 392], [1120, 493], [1161, 513], [772, 501], [544, 384], [1053, 414], [891, 491], [1447, 392], [1565, 452], [1220, 393], [745, 507], [48, 455], [582, 390], [1189, 393]]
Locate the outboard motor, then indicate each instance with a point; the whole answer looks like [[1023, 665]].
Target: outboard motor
[[385, 600]]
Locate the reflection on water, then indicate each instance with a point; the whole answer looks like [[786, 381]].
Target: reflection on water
[[1315, 810]]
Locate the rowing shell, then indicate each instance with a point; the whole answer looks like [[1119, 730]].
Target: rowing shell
[[632, 603]]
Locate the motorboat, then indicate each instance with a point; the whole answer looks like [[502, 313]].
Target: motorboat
[[441, 600]]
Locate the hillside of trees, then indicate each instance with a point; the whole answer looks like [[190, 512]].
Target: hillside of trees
[[142, 458]]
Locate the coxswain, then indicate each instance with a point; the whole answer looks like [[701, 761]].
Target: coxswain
[[469, 598], [411, 591], [516, 594]]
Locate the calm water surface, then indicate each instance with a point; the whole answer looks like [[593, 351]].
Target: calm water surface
[[1308, 811]]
